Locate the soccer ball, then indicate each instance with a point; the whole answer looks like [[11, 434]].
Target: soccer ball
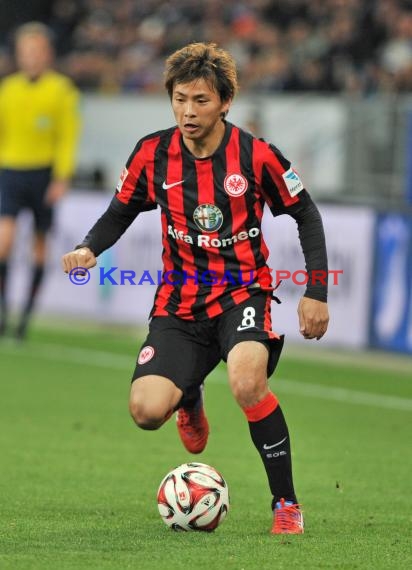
[[193, 496]]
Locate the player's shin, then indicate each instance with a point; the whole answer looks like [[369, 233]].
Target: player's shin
[[270, 435]]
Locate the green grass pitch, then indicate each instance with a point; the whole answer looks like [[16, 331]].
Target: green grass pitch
[[78, 481]]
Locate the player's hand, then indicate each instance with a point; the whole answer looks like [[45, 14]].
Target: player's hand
[[56, 190], [313, 318], [83, 257]]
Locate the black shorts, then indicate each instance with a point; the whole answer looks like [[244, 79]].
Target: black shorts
[[26, 189], [187, 351]]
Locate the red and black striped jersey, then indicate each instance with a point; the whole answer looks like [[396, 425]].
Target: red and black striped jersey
[[211, 212]]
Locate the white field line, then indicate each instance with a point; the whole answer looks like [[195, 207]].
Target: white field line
[[344, 395], [74, 355], [367, 360], [105, 359]]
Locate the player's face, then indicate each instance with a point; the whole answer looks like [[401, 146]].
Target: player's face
[[198, 111], [33, 54]]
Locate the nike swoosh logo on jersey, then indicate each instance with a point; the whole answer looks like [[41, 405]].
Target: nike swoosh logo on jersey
[[167, 186], [244, 327], [265, 446]]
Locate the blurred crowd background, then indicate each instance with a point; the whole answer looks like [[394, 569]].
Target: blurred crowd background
[[327, 46]]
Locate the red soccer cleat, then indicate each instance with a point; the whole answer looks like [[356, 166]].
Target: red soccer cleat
[[287, 518], [193, 427]]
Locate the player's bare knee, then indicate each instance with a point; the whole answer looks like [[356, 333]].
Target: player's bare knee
[[145, 417], [149, 424], [248, 390]]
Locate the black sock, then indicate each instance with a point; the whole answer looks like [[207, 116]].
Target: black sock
[[37, 277], [271, 438], [3, 304]]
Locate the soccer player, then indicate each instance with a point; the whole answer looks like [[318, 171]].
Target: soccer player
[[39, 124], [211, 180]]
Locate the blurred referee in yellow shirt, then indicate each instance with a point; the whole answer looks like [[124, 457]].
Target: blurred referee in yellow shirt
[[39, 126]]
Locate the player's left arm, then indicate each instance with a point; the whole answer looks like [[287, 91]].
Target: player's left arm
[[312, 309], [67, 134], [285, 194]]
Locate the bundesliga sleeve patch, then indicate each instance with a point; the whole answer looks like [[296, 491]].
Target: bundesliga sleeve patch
[[122, 178], [293, 182]]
